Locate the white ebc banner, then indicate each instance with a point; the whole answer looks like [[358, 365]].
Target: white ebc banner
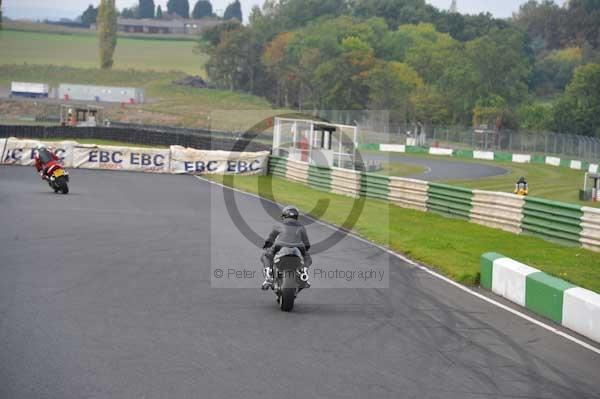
[[192, 161], [22, 152], [132, 159]]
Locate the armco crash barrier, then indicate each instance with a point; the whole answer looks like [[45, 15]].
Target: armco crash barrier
[[573, 307], [555, 221], [176, 159]]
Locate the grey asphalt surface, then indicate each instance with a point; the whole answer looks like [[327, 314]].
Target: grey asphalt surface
[[438, 169], [106, 293]]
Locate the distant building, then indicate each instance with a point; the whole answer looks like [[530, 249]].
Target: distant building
[[169, 27], [131, 95]]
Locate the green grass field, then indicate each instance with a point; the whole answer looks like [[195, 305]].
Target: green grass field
[[81, 50], [545, 181], [105, 142], [167, 103], [450, 245]]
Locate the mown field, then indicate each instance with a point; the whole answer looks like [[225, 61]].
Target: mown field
[[81, 50]]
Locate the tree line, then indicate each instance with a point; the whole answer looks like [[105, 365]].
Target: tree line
[[538, 70], [175, 8]]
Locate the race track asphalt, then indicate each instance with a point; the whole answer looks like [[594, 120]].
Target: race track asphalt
[[106, 293], [438, 169]]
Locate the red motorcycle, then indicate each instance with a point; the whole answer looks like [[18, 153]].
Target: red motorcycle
[[58, 178]]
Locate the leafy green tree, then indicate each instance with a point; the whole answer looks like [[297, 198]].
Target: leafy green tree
[[294, 14], [421, 46], [234, 10], [553, 72], [276, 60], [211, 37], [577, 111], [235, 61], [536, 116], [343, 80], [107, 32], [430, 106], [179, 7], [500, 61], [146, 8], [0, 14], [129, 12], [202, 9], [396, 12], [159, 12], [390, 86], [89, 16]]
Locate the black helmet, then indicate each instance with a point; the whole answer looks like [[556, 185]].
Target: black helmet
[[290, 212], [522, 179]]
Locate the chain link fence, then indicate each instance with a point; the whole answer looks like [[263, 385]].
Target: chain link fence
[[543, 143]]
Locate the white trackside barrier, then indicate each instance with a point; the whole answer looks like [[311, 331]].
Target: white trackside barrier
[[392, 148], [509, 279], [593, 168], [576, 165], [581, 312], [521, 158], [189, 160], [121, 158], [177, 160], [488, 155], [22, 152], [554, 161], [441, 151]]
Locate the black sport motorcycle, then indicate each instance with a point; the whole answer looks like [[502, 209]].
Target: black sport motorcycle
[[289, 276]]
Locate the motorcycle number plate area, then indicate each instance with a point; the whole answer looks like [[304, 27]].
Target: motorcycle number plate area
[[59, 173]]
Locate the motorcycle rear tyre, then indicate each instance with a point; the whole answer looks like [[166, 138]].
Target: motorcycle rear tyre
[[288, 295]]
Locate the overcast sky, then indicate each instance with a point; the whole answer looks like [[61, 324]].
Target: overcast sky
[[40, 9]]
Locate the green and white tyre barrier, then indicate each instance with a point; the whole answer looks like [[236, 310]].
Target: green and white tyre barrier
[[573, 307], [297, 171], [345, 182], [567, 224], [498, 210], [409, 193], [590, 229]]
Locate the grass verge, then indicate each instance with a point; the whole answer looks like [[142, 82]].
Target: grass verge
[[545, 181], [451, 246]]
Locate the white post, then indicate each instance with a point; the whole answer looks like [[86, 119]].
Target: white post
[[355, 145], [311, 142], [294, 135]]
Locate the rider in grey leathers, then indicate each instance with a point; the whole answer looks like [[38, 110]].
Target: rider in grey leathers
[[290, 233]]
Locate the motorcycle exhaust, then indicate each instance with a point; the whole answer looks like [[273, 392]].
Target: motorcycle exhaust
[[303, 275]]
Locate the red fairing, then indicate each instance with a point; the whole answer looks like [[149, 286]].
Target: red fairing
[[39, 166]]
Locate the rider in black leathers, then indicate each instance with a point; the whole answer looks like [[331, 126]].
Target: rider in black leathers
[[289, 234]]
